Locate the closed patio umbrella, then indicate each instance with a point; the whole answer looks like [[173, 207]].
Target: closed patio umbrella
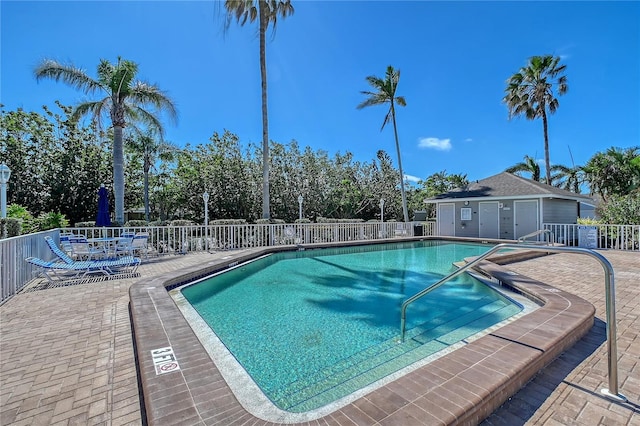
[[103, 218]]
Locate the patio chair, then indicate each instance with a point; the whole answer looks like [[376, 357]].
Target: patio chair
[[139, 244], [83, 250], [123, 246], [65, 241]]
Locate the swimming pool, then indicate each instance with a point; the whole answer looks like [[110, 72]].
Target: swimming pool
[[311, 327]]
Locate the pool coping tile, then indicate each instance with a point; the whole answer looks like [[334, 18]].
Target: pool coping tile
[[496, 366]]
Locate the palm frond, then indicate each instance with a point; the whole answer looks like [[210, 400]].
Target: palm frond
[[96, 108], [145, 117], [147, 94], [73, 76]]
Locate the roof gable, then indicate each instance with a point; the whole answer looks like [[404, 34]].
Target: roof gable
[[508, 185]]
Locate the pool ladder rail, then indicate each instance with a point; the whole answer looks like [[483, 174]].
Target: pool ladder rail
[[612, 391], [550, 241]]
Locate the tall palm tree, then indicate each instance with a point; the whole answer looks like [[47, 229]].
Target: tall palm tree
[[530, 92], [385, 93], [529, 165], [151, 149], [127, 101], [267, 13]]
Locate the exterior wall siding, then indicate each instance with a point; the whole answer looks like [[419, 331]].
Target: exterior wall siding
[[553, 210], [559, 211], [467, 228]]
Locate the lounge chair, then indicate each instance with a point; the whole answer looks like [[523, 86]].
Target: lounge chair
[[61, 254], [106, 266], [60, 271]]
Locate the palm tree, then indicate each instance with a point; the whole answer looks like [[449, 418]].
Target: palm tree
[[385, 93], [530, 92], [126, 101], [567, 178], [529, 165], [151, 150], [267, 12]]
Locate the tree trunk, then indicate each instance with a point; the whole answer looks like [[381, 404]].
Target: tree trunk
[[118, 174], [405, 213], [263, 8], [547, 161]]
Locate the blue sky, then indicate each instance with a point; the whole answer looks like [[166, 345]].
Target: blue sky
[[454, 59]]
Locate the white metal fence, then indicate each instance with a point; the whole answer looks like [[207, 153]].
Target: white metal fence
[[183, 239], [618, 237], [15, 273]]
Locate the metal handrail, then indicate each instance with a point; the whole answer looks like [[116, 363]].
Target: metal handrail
[[612, 391], [536, 233]]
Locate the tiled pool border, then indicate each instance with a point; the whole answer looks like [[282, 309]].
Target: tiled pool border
[[462, 388]]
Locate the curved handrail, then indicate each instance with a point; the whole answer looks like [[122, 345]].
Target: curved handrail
[[536, 233], [612, 391]]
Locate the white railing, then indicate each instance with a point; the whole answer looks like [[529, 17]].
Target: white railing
[[184, 239], [16, 273], [618, 237]]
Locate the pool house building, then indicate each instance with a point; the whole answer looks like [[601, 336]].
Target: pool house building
[[504, 206]]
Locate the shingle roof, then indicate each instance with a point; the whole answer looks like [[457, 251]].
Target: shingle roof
[[507, 185]]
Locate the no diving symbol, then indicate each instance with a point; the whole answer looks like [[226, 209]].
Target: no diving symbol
[[170, 366], [164, 360]]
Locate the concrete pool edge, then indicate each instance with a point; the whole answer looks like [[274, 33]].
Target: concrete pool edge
[[464, 387]]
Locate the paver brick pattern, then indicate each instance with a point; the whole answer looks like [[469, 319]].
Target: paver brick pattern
[[66, 354]]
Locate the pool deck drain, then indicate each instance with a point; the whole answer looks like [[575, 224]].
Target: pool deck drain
[[67, 358]]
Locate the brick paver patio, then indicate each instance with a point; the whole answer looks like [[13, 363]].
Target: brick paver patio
[[66, 354]]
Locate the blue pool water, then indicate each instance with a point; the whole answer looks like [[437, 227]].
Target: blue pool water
[[313, 326]]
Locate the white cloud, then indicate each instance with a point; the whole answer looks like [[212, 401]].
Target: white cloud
[[468, 140], [410, 178], [435, 143]]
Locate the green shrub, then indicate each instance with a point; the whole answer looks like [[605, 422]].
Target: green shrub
[[180, 222], [136, 223], [10, 226], [85, 224], [321, 219], [159, 223], [228, 222], [21, 213], [621, 210], [270, 221], [588, 221], [51, 220]]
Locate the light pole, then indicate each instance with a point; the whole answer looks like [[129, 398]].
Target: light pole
[[205, 197], [382, 233], [5, 173], [300, 200]]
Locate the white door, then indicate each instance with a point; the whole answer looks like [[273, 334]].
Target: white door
[[525, 218], [447, 219], [489, 219]]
